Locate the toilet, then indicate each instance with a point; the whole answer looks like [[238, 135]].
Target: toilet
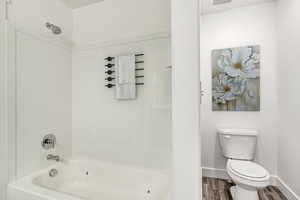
[[238, 146]]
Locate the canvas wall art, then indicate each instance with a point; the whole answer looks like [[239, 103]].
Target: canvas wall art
[[236, 79]]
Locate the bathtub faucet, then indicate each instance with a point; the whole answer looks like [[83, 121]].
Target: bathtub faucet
[[53, 157]]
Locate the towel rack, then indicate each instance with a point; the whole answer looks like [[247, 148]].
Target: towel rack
[[110, 58], [110, 71]]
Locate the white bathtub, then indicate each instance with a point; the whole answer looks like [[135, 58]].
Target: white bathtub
[[91, 180]]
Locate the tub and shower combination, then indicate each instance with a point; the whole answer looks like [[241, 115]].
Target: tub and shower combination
[[91, 180]]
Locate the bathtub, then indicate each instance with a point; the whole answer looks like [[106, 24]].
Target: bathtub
[[91, 180]]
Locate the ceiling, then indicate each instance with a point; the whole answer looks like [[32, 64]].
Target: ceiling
[[79, 3], [208, 7]]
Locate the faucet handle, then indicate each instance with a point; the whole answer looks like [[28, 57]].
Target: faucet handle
[[49, 141]]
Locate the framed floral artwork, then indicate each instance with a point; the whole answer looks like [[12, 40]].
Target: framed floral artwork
[[236, 79]]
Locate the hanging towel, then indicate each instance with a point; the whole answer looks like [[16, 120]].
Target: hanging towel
[[125, 77]]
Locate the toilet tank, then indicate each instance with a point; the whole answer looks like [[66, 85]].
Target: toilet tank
[[238, 144]]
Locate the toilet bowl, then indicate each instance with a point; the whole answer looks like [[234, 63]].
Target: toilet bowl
[[248, 177], [238, 146]]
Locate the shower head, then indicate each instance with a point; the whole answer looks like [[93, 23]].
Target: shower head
[[55, 29]]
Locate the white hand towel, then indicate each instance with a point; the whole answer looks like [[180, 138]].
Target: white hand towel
[[125, 77], [126, 69]]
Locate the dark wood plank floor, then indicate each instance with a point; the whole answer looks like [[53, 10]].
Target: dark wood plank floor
[[218, 189]]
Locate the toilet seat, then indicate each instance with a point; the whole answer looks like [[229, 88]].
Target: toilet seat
[[248, 169], [248, 173]]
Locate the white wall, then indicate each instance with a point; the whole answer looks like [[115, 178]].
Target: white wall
[[136, 132], [187, 176], [254, 25], [289, 87], [2, 10], [117, 20], [43, 100], [3, 111], [33, 14]]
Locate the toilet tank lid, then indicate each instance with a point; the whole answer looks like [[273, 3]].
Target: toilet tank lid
[[231, 131]]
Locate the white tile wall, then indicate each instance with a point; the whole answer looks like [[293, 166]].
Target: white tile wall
[[136, 132], [43, 100]]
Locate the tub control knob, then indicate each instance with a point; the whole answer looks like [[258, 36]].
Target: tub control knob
[[49, 141]]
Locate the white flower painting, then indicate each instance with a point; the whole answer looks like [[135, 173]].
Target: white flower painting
[[236, 79]]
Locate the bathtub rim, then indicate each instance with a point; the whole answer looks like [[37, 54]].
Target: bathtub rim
[[26, 184]]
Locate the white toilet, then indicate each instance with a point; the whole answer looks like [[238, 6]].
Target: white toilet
[[238, 146]]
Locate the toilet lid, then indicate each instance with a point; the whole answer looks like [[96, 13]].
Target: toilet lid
[[248, 168]]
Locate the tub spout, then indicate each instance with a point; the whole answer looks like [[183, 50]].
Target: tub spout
[[53, 157]]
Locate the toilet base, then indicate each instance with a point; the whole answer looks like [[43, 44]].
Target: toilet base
[[243, 193]]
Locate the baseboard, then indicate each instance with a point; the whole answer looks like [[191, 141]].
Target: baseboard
[[286, 190], [214, 173], [274, 180]]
